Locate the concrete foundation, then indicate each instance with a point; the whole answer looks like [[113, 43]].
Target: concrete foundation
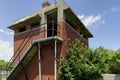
[[110, 77]]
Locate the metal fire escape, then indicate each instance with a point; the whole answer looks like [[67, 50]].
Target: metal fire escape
[[35, 46]]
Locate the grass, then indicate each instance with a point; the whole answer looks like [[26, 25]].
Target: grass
[[2, 77]]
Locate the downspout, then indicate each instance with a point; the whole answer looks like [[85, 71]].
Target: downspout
[[55, 61], [39, 59]]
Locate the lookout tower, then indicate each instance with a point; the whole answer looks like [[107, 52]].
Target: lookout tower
[[41, 38]]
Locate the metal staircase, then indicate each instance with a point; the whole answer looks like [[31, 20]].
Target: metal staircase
[[14, 68]]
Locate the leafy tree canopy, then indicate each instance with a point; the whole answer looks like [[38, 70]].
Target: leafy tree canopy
[[3, 64], [83, 63]]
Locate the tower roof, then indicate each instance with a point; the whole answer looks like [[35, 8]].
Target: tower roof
[[39, 14]]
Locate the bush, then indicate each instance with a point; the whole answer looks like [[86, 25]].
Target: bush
[[78, 65], [83, 63]]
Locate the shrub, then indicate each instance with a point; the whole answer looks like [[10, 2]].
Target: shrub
[[83, 63], [78, 65]]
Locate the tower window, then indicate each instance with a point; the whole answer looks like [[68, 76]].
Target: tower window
[[35, 25], [22, 29]]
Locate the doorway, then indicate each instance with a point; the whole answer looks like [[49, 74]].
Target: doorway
[[52, 23]]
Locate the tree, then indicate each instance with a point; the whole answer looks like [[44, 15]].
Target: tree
[[115, 63], [102, 58], [3, 64], [79, 64], [83, 63]]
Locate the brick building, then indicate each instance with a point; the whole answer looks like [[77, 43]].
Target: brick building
[[41, 38]]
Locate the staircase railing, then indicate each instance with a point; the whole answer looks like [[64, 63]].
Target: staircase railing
[[9, 66]]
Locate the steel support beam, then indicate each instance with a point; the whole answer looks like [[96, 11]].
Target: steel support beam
[[39, 59], [55, 61]]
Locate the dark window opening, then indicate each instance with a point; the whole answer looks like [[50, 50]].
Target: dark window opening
[[70, 24], [35, 25], [70, 21], [52, 24], [84, 36], [22, 29]]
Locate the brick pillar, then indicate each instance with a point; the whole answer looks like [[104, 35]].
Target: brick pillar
[[28, 26], [16, 30]]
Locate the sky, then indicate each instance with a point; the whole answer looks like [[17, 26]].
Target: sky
[[101, 17]]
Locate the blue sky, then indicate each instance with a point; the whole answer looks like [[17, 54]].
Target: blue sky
[[101, 17]]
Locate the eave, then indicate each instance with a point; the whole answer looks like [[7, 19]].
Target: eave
[[26, 20], [76, 21]]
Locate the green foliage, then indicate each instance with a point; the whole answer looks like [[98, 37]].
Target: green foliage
[[3, 64], [83, 63], [78, 65], [102, 58], [109, 61], [115, 63], [2, 77]]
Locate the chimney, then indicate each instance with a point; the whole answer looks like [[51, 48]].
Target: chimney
[[45, 4]]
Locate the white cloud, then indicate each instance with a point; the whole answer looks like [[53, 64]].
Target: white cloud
[[111, 10], [6, 32], [6, 50], [89, 20], [81, 16]]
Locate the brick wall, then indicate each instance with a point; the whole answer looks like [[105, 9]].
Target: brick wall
[[37, 33], [47, 62]]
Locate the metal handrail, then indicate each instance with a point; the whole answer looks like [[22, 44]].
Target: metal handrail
[[19, 49]]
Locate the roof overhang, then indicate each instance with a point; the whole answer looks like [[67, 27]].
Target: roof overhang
[[70, 15], [26, 20]]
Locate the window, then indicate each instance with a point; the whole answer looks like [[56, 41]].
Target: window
[[70, 24], [35, 25], [22, 29]]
